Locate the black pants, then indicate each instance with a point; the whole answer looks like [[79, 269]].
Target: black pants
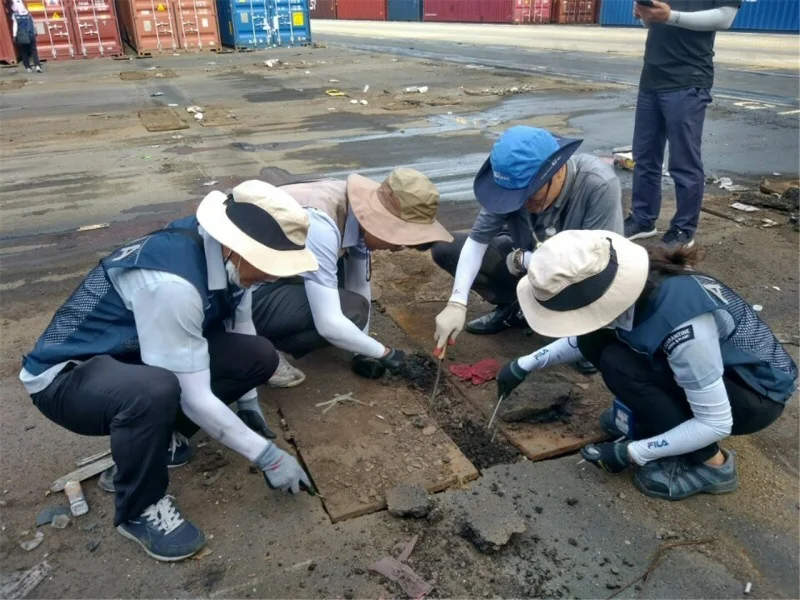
[[282, 314], [494, 283], [138, 406], [28, 51], [658, 403]]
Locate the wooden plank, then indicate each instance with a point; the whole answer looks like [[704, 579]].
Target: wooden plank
[[19, 585], [90, 459], [355, 452], [84, 472], [413, 290]]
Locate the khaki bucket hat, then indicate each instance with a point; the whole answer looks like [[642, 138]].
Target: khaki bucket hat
[[399, 211], [581, 281], [264, 225]]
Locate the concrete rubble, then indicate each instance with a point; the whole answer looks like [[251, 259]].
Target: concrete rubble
[[409, 500], [490, 522]]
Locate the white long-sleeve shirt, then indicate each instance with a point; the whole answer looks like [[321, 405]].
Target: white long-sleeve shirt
[[694, 355]]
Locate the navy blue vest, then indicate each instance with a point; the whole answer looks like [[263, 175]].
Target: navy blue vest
[[94, 320], [751, 350]]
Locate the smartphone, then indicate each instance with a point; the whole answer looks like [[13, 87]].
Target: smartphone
[[644, 2]]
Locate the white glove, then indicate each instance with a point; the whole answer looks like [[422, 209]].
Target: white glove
[[450, 322], [517, 262]]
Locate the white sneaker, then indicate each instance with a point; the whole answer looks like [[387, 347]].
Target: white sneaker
[[38, 69], [286, 375]]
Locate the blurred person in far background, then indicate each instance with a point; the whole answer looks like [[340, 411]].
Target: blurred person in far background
[[24, 34]]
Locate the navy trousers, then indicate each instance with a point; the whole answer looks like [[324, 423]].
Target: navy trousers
[[675, 117], [139, 407]]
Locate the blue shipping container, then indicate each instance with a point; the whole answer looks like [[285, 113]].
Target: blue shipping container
[[768, 15], [404, 10], [293, 23], [755, 15], [253, 24], [618, 13], [245, 24]]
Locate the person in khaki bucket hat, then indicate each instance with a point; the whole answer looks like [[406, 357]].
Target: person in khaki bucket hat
[[330, 306]]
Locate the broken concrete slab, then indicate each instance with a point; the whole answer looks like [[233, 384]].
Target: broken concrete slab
[[547, 405], [409, 500], [490, 522], [359, 450], [161, 119], [406, 276], [779, 187]]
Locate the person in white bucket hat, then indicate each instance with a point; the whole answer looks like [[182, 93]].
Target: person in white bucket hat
[[155, 343], [688, 359]]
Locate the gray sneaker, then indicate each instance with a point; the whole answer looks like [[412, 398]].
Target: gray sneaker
[[676, 478]]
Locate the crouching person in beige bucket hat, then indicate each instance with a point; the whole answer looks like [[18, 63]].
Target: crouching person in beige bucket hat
[[349, 220], [687, 358], [155, 343]]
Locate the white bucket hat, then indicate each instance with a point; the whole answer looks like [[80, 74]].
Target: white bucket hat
[[580, 281], [264, 225]]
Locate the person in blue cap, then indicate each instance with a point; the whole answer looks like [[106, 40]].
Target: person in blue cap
[[531, 187]]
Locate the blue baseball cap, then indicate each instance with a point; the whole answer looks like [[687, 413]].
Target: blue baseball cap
[[522, 161]]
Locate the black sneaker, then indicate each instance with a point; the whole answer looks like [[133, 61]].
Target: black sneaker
[[500, 319], [676, 478], [585, 367], [163, 532], [179, 451], [635, 231], [678, 237]]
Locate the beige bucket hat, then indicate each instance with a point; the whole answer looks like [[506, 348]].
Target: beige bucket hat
[[263, 224], [401, 210], [580, 281]]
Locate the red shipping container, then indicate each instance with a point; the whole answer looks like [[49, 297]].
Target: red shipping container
[[54, 34], [476, 11], [95, 28], [322, 9], [571, 12], [148, 26], [8, 52], [532, 11], [196, 24], [362, 10], [471, 11]]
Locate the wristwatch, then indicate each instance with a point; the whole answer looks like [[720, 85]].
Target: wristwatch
[[517, 259]]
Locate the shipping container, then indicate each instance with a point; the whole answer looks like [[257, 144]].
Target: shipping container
[[618, 13], [245, 24], [54, 34], [532, 11], [470, 11], [8, 51], [95, 29], [148, 26], [768, 15], [362, 10], [571, 12], [196, 24], [404, 10], [292, 23], [322, 9]]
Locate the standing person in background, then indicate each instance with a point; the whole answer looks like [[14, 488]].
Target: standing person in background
[[24, 34], [674, 90]]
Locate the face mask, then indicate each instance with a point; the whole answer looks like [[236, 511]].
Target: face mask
[[233, 271]]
